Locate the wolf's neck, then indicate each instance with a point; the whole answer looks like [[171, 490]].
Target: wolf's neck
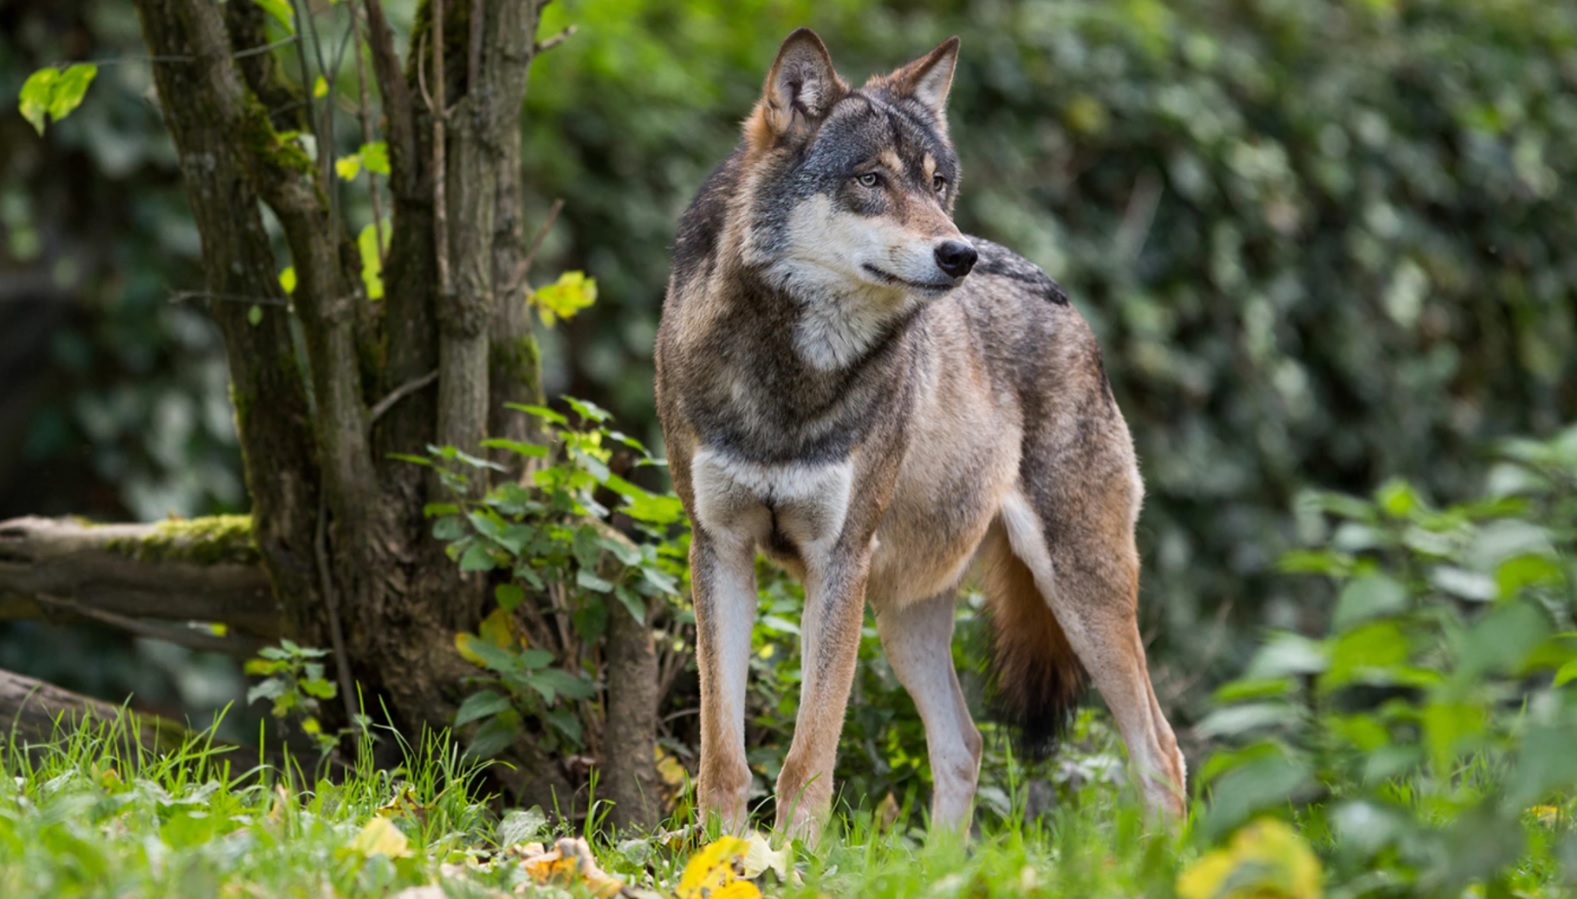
[[837, 324]]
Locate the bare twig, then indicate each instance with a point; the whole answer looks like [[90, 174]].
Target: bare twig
[[363, 116], [547, 44], [518, 278], [396, 97], [400, 393], [191, 638], [440, 113], [336, 630], [474, 64]]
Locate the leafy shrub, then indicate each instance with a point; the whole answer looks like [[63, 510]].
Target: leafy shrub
[[1425, 741], [542, 657]]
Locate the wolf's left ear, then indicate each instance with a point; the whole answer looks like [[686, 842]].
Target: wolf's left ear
[[928, 78], [801, 87]]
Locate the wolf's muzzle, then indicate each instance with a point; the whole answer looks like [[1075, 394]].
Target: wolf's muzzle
[[955, 257]]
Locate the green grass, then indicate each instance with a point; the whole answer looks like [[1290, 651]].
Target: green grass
[[90, 815]]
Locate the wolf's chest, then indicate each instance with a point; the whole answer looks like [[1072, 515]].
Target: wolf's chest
[[796, 506]]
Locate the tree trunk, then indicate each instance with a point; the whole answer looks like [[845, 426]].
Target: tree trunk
[[629, 742], [327, 385], [339, 526]]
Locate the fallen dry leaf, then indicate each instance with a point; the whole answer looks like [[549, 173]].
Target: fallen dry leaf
[[569, 861]]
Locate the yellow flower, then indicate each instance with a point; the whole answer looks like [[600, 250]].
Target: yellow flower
[[717, 872], [1265, 860]]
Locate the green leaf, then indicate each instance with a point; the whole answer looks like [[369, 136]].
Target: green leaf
[[273, 688], [348, 167], [320, 87], [632, 603], [375, 157], [54, 93], [567, 722], [371, 261], [320, 688], [509, 596], [529, 450], [572, 292], [281, 13], [1449, 729], [589, 580], [34, 97], [254, 316], [69, 88], [1566, 674], [477, 558], [448, 528], [521, 826], [1370, 596], [586, 408], [494, 736], [287, 279], [542, 412], [480, 705]]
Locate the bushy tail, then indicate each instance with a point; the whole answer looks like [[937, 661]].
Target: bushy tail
[[1036, 679]]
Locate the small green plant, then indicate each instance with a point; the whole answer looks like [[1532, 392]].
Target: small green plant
[[294, 681], [1425, 740], [560, 568]]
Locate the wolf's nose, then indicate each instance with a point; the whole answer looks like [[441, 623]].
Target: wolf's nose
[[955, 257]]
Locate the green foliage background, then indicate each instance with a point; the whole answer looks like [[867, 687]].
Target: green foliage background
[[1322, 242]]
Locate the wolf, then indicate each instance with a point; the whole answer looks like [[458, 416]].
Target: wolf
[[881, 404]]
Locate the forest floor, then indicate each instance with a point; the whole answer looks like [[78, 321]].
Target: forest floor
[[90, 816]]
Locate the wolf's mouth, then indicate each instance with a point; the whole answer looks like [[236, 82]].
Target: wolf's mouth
[[928, 286]]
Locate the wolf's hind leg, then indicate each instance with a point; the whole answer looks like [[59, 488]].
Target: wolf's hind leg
[[723, 580], [1089, 572], [918, 640]]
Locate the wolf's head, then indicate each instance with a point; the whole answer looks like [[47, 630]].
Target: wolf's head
[[852, 191]]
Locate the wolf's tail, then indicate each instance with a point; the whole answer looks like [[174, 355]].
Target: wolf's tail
[[1036, 679]]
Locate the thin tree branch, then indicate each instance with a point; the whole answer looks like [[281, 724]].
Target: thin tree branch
[[474, 63], [400, 393], [396, 97], [189, 637], [547, 44], [518, 279], [363, 114]]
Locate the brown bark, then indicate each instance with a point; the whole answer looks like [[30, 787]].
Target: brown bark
[[339, 525], [30, 709], [170, 572], [629, 743]]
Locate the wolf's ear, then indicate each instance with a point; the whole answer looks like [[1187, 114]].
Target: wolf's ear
[[928, 78], [801, 87]]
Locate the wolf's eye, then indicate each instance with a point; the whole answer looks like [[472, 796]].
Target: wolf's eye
[[938, 183], [869, 179]]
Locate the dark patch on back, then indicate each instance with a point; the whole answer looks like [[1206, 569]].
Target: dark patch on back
[[1002, 262]]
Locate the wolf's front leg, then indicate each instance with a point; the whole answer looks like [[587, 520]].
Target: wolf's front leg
[[723, 583], [830, 645]]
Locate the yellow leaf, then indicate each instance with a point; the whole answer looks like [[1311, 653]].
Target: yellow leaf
[[320, 87], [572, 292], [498, 628], [287, 279], [1265, 860], [719, 865], [380, 837], [348, 167], [760, 856], [462, 645]]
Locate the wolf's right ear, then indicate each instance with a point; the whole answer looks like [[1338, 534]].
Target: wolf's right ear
[[801, 88]]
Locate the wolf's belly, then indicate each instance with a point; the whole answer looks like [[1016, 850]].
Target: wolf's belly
[[948, 494]]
